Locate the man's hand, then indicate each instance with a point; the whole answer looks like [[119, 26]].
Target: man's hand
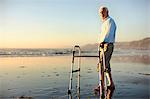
[[102, 45]]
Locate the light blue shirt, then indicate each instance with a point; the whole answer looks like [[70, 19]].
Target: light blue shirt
[[108, 31]]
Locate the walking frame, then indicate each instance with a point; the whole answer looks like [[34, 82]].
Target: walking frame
[[103, 75]]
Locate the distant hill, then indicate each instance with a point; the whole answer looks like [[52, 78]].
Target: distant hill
[[139, 44]]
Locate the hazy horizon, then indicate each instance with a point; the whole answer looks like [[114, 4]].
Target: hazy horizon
[[62, 47], [62, 24]]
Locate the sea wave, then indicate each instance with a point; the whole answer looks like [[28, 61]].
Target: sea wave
[[59, 52], [33, 52]]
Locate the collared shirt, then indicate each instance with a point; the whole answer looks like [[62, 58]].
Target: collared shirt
[[108, 30]]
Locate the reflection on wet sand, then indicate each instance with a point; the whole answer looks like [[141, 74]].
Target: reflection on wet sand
[[48, 77], [145, 59]]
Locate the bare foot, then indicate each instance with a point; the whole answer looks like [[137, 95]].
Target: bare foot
[[110, 91]]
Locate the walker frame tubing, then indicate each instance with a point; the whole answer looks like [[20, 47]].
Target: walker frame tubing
[[102, 73], [73, 71], [102, 69]]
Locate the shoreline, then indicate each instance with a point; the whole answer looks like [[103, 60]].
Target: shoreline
[[145, 59]]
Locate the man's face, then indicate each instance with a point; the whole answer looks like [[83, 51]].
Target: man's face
[[103, 14]]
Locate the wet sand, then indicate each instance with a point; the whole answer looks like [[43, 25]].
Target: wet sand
[[48, 78]]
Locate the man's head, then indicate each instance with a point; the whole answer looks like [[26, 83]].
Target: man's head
[[103, 11]]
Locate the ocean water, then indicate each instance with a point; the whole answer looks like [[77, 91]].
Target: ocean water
[[14, 52], [59, 52], [48, 77]]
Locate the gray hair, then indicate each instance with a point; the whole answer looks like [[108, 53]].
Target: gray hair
[[103, 8]]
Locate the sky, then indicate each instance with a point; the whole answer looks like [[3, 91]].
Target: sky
[[64, 23]]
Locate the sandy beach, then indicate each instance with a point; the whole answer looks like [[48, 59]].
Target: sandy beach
[[48, 78]]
